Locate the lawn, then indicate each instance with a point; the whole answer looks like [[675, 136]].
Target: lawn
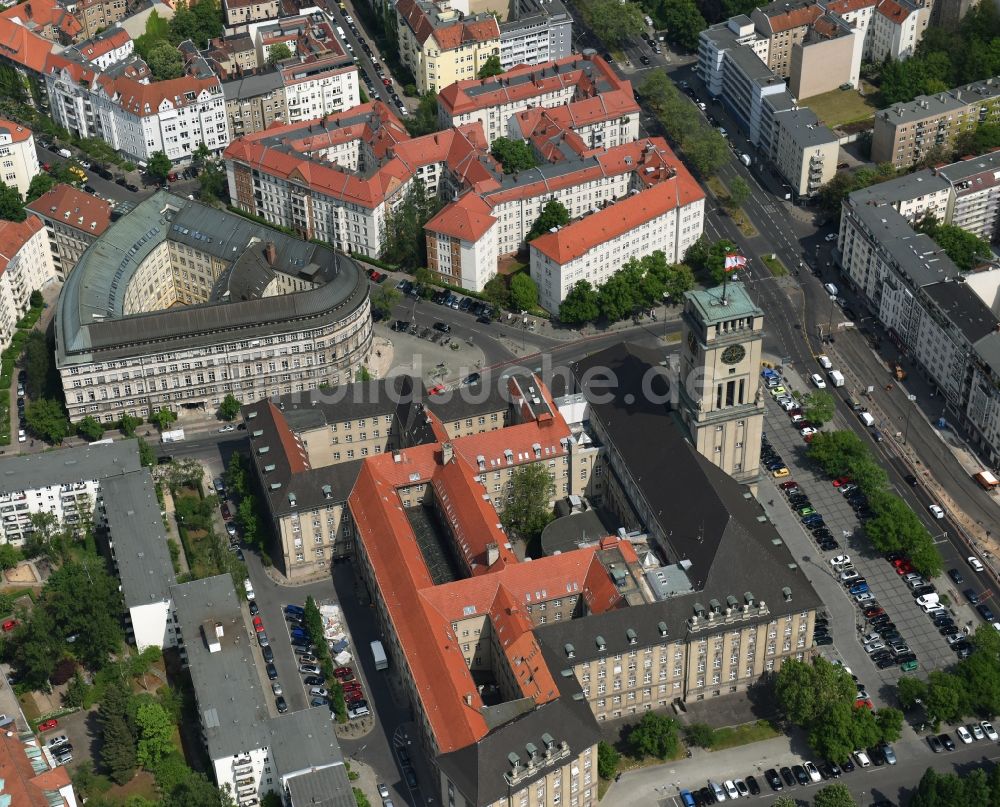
[[721, 193], [841, 107], [776, 267], [194, 522], [732, 736]]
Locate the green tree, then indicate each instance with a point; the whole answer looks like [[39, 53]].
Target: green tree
[[425, 119], [278, 53], [11, 206], [683, 23], [212, 182], [909, 690], [528, 508], [128, 424], [147, 457], [92, 619], [37, 364], [835, 795], [404, 243], [496, 293], [807, 691], [236, 477], [230, 407], [523, 292], [837, 452], [607, 760], [580, 305], [195, 790], [165, 61], [76, 692], [784, 801], [654, 736], [739, 192], [981, 671], [947, 697], [491, 67], [40, 185], [384, 300], [36, 299], [617, 297], [707, 151], [964, 248], [890, 723], [614, 22], [118, 740], [360, 797], [201, 154], [819, 407], [159, 166], [513, 155], [90, 428], [700, 734], [46, 419], [156, 732], [554, 214], [10, 556], [675, 112], [162, 418]]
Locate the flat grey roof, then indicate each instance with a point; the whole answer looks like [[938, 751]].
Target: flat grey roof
[[972, 169], [90, 317], [65, 465], [242, 89], [988, 349], [750, 64], [140, 542], [231, 703], [804, 128], [308, 758], [573, 531], [323, 787], [964, 308], [923, 106]]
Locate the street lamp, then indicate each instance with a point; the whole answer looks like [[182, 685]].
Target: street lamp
[[906, 429], [666, 296]]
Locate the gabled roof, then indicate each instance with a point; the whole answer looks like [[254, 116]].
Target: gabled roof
[[41, 14], [581, 236], [893, 11], [145, 99], [782, 17], [23, 47], [73, 208], [468, 219], [450, 31], [14, 235], [16, 132]]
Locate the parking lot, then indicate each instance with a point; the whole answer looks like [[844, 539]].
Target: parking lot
[[844, 525]]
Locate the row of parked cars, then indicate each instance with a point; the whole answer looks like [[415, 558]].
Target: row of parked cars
[[968, 735], [800, 775]]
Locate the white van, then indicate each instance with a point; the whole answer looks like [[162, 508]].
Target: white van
[[866, 418], [830, 289]]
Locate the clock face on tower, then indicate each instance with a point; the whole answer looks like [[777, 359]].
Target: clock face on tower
[[734, 354]]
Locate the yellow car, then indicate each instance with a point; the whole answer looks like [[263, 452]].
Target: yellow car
[[781, 472]]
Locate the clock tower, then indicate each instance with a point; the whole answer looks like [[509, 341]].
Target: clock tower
[[720, 394]]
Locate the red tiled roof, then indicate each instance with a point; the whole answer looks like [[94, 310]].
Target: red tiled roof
[[95, 48], [549, 77], [20, 45], [145, 99], [449, 35], [793, 18], [44, 14], [893, 11], [19, 781], [17, 132], [469, 219], [298, 459], [576, 114], [13, 236], [847, 6], [74, 208], [576, 239]]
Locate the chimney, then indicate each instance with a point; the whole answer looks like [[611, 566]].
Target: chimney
[[492, 553], [468, 699], [271, 253], [447, 453]]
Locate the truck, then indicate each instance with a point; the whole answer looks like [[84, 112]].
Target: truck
[[836, 378], [986, 480], [378, 653], [173, 436]]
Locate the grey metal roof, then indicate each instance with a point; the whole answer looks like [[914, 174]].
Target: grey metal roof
[[751, 66], [971, 169], [804, 128], [573, 531], [65, 465], [140, 542], [712, 308], [231, 702], [90, 317], [988, 349], [916, 254], [308, 758], [921, 107], [964, 308], [323, 787], [242, 89]]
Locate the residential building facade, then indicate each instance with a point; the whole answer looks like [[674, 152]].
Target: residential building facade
[[239, 14], [667, 217], [906, 133], [26, 264], [204, 303], [73, 221], [99, 15], [18, 158]]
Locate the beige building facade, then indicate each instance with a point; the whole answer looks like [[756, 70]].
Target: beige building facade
[[720, 378]]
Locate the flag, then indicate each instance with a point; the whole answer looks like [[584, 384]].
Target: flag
[[734, 262]]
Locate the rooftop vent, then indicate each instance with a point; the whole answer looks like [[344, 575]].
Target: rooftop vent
[[570, 650], [786, 592], [631, 636], [663, 628], [601, 644]]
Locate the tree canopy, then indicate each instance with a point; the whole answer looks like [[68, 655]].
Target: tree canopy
[[613, 22], [683, 22], [159, 166], [818, 407], [491, 67], [230, 407], [966, 249], [425, 119], [656, 735], [47, 419], [404, 243], [580, 305], [11, 206], [523, 292], [554, 214], [528, 507], [277, 53], [165, 61], [513, 155]]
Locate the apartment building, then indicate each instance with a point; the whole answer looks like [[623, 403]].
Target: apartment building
[[18, 158], [73, 221], [32, 777], [334, 179], [179, 304], [129, 512], [135, 117], [905, 133], [253, 750], [96, 16], [667, 217], [533, 32], [974, 198], [49, 19], [240, 14], [25, 265], [732, 61], [555, 87], [442, 45], [784, 25], [947, 321], [104, 49], [824, 59]]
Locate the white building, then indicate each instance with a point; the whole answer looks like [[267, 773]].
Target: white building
[[18, 158], [135, 117], [667, 217], [110, 47], [26, 265]]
